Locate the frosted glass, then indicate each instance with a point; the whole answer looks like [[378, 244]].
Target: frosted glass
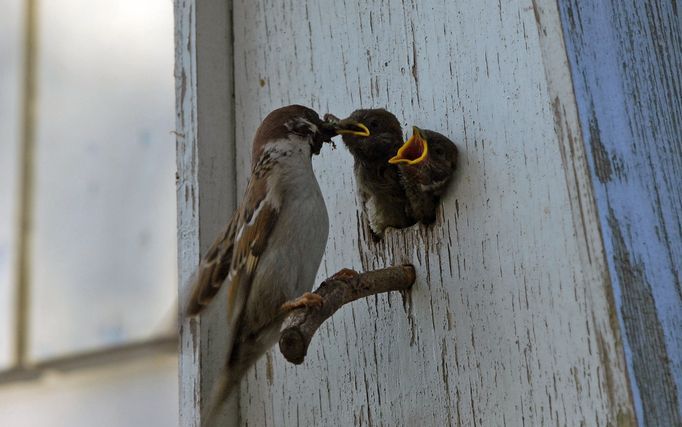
[[131, 392], [104, 243], [10, 63]]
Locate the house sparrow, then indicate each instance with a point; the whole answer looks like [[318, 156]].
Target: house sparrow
[[378, 182], [270, 251], [426, 162]]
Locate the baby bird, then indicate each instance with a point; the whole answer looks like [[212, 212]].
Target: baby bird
[[269, 253], [378, 181], [426, 162]]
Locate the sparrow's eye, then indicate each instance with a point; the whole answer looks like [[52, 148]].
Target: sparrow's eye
[[302, 126]]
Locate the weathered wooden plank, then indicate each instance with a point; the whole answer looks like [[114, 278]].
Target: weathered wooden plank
[[626, 58], [205, 181], [510, 319]]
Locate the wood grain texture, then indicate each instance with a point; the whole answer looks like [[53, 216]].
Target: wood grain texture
[[205, 184], [509, 322], [626, 58]]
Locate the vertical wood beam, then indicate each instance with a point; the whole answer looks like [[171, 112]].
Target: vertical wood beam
[[205, 181], [626, 61]]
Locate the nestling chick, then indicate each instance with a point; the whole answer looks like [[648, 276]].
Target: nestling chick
[[378, 182], [426, 162], [270, 251]]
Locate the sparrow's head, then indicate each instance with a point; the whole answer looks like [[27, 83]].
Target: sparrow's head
[[427, 148], [295, 123], [370, 135]]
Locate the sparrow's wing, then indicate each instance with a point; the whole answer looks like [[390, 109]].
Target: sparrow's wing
[[249, 231], [213, 269], [258, 216]]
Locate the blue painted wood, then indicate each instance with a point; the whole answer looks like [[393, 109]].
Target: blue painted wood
[[626, 62]]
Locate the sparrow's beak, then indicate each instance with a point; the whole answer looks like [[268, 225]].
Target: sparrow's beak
[[414, 151], [346, 126], [328, 129]]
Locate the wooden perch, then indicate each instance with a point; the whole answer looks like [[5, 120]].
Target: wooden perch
[[345, 286]]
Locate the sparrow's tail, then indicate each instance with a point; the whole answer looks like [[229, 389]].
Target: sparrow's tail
[[223, 389], [242, 356]]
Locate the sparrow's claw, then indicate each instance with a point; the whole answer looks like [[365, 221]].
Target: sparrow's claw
[[308, 299], [345, 274]]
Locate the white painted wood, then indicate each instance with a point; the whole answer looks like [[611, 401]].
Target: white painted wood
[[205, 182], [511, 319]]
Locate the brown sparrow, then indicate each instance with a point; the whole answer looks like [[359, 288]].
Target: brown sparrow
[[426, 162], [378, 182], [270, 251]]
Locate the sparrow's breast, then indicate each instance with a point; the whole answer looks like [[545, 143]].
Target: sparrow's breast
[[298, 239]]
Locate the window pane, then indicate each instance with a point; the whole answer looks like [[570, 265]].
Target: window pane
[[10, 63], [132, 392], [104, 244]]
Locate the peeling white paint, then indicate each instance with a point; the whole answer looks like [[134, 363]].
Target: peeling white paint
[[205, 185], [510, 321]]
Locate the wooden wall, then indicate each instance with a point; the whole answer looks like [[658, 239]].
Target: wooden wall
[[509, 319], [517, 314]]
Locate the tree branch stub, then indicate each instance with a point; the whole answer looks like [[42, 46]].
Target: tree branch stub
[[300, 325]]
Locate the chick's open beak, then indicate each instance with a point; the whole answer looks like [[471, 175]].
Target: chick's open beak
[[351, 127], [346, 126], [414, 151]]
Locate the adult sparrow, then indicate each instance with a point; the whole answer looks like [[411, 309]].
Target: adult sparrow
[[270, 251], [426, 162], [378, 181]]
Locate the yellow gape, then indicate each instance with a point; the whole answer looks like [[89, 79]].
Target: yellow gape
[[414, 151]]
